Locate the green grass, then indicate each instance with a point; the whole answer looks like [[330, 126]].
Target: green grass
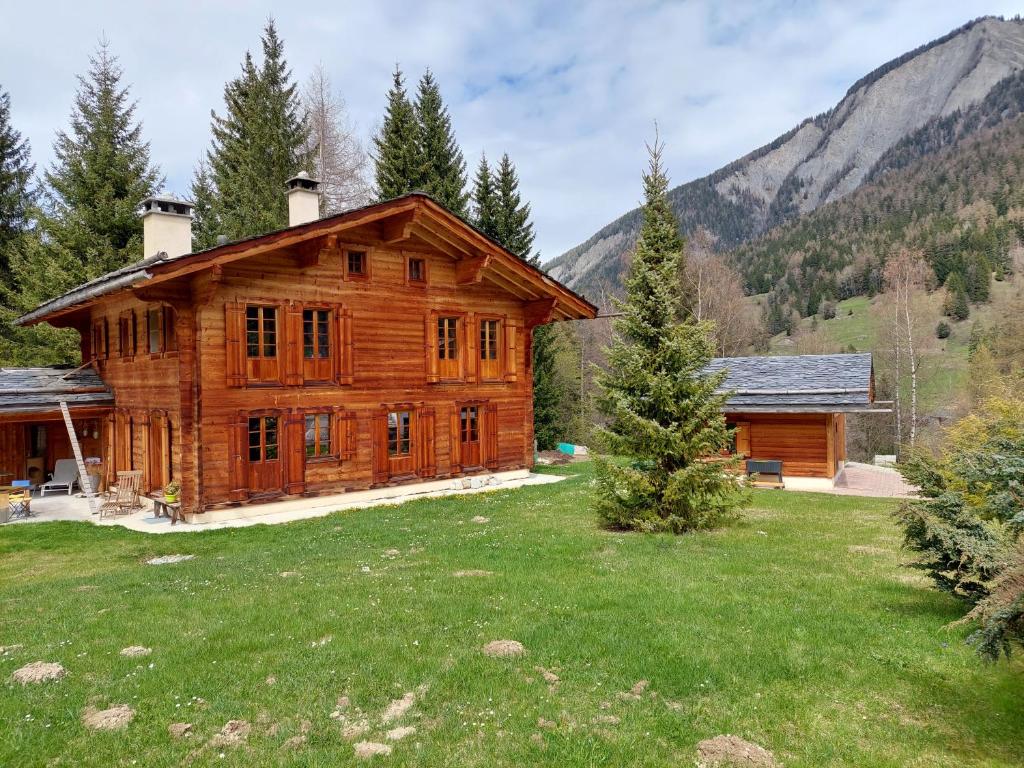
[[795, 628]]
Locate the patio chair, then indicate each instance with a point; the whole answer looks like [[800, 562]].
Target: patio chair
[[65, 475], [125, 497], [20, 500]]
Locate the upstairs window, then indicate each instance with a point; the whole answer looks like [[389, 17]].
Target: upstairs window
[[316, 334], [155, 326], [448, 347], [126, 333], [356, 265], [261, 331], [318, 435], [490, 349], [416, 270], [399, 433]]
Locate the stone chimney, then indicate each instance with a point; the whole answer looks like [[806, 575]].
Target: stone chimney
[[303, 199], [166, 227]]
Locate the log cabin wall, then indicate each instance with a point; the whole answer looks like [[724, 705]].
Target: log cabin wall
[[391, 322], [135, 344], [805, 442]]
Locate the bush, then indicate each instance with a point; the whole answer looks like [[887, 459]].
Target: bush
[[966, 530], [828, 310], [942, 330]]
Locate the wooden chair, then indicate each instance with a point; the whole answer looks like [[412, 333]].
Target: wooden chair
[[125, 497]]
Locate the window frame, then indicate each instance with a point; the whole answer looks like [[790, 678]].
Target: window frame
[[424, 278], [491, 369], [324, 419], [398, 411], [127, 336], [347, 253], [262, 419]]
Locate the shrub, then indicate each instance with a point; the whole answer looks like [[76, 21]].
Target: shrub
[[828, 310], [942, 330]]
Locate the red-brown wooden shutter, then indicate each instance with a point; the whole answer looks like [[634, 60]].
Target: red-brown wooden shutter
[[238, 457], [472, 333], [292, 345], [234, 344], [343, 353], [490, 435], [379, 436], [430, 346], [511, 349], [105, 331], [455, 442], [147, 453], [133, 332], [345, 434], [427, 458], [295, 451]]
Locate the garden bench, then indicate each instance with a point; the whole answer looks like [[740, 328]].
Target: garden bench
[[763, 467]]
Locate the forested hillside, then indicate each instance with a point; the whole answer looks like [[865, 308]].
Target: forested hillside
[[962, 207]]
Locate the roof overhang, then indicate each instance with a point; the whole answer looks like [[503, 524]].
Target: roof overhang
[[413, 220]]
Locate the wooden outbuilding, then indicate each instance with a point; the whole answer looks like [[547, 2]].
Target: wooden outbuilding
[[792, 408], [384, 345]]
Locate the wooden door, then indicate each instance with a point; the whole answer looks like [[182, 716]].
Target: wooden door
[[469, 436], [400, 445], [265, 471]]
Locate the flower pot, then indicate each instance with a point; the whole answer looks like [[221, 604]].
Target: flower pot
[[170, 499]]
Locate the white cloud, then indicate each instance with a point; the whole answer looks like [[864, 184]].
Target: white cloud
[[570, 90]]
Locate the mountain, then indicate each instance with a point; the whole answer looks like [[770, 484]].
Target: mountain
[[826, 157]]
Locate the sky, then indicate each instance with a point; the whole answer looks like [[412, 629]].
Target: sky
[[570, 90]]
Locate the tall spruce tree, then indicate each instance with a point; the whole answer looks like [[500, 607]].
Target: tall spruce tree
[[16, 192], [512, 218], [664, 414], [485, 201], [396, 151], [442, 168], [101, 174], [258, 144]]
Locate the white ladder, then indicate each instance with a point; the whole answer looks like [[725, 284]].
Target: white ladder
[[84, 482]]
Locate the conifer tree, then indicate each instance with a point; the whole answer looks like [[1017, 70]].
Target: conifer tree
[[396, 152], [442, 169], [664, 414], [485, 213], [512, 219], [258, 144], [16, 192], [101, 174]]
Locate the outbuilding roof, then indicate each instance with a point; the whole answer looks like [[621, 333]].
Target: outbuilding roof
[[34, 390], [798, 383]]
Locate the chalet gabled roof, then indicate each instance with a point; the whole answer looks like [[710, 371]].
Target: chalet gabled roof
[[32, 390], [798, 383], [499, 264]]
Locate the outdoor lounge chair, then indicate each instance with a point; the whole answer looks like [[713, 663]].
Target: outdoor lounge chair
[[65, 476]]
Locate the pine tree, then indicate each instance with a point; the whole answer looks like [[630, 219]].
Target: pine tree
[[512, 219], [485, 213], [442, 169], [258, 144], [395, 145], [956, 305], [102, 173], [16, 192], [664, 413]]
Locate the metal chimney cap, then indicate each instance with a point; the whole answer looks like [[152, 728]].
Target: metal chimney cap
[[166, 204], [303, 180]]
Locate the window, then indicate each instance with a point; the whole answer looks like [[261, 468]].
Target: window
[[263, 439], [417, 270], [469, 424], [490, 350], [155, 325], [260, 332], [126, 333], [318, 435], [731, 426], [316, 335], [399, 442], [100, 342], [356, 266], [447, 338]]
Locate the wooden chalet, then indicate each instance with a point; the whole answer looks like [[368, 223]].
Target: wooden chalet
[[793, 408], [387, 344]]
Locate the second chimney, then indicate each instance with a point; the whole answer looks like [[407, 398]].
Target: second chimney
[[166, 227], [303, 199]]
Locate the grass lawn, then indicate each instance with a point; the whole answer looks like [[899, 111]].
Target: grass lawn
[[795, 628]]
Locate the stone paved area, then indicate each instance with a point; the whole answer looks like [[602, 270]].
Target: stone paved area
[[868, 480]]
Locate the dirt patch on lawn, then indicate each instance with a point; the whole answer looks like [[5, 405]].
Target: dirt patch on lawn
[[233, 734], [865, 549], [39, 672], [636, 692], [733, 752], [366, 749], [168, 559], [480, 519], [397, 734], [398, 707], [179, 730], [504, 648], [471, 573], [134, 651], [110, 719]]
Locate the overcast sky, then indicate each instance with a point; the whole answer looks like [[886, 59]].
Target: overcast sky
[[569, 90]]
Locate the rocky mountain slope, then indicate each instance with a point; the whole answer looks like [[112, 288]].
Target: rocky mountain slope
[[825, 157]]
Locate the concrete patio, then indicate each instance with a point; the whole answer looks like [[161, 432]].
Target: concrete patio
[[76, 507]]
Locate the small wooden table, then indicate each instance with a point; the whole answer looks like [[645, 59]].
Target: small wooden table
[[164, 508]]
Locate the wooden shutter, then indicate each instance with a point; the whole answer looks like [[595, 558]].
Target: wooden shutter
[[379, 436], [472, 334], [234, 344], [292, 344], [511, 349], [345, 434], [490, 435], [238, 457], [430, 346], [455, 441], [344, 370], [126, 340], [743, 438], [104, 339], [147, 453], [426, 449], [295, 452]]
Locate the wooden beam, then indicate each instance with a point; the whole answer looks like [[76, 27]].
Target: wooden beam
[[471, 271], [444, 233], [517, 287], [174, 294], [399, 228], [437, 243], [539, 312]]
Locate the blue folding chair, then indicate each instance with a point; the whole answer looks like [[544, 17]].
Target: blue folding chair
[[20, 501]]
